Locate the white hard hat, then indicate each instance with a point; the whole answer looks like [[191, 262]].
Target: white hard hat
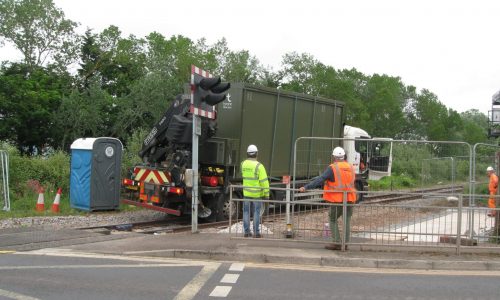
[[338, 152], [490, 168], [252, 149]]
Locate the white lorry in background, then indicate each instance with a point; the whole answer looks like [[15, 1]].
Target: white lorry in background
[[371, 157]]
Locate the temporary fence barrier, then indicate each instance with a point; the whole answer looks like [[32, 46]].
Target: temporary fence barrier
[[483, 156], [447, 219], [431, 220], [4, 161]]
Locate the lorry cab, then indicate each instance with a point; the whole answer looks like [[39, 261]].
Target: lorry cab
[[356, 148], [370, 157]]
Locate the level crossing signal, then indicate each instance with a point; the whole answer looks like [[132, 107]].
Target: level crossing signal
[[206, 92]]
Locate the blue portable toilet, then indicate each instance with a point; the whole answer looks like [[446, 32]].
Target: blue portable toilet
[[95, 173]]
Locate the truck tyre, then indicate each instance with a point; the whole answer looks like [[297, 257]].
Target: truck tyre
[[223, 207]]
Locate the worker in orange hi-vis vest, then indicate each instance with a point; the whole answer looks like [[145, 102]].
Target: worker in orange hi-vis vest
[[492, 187], [337, 180]]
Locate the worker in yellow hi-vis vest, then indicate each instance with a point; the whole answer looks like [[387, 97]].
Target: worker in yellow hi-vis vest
[[255, 186]]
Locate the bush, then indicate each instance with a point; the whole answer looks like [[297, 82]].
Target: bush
[[394, 182], [130, 156], [27, 174]]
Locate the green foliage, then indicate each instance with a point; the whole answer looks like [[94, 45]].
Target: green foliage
[[84, 114], [407, 160], [112, 61], [384, 101], [474, 127], [29, 102], [49, 172], [39, 30], [393, 182], [28, 173], [130, 156]]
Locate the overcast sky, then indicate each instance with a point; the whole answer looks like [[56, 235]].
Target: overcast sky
[[450, 47]]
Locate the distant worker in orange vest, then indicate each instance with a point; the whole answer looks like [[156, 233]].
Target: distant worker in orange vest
[[492, 187], [337, 179]]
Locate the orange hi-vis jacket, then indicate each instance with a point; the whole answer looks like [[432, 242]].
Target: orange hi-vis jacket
[[493, 184], [344, 176]]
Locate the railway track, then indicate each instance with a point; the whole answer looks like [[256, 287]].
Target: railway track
[[180, 224], [183, 223], [401, 196]]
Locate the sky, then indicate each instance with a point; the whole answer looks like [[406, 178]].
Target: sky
[[445, 46]]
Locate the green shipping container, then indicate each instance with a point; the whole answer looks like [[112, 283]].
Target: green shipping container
[[272, 120]]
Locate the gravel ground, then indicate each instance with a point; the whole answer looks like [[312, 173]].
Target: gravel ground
[[313, 222], [89, 220]]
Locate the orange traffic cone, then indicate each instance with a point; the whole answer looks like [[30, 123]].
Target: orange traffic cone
[[40, 205], [57, 200]]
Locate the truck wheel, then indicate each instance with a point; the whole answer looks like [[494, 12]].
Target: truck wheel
[[215, 206], [228, 207], [220, 206]]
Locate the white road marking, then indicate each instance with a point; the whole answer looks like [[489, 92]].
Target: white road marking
[[192, 288], [187, 293], [237, 267], [16, 296], [230, 278], [220, 291], [90, 266]]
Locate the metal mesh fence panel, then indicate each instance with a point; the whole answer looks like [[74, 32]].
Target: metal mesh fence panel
[[422, 194]]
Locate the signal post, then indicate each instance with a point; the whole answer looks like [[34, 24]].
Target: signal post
[[206, 92]]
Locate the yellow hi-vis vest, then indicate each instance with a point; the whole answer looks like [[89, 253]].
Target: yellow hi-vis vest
[[254, 179]]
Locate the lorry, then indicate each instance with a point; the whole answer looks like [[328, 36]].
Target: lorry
[[370, 157], [270, 118]]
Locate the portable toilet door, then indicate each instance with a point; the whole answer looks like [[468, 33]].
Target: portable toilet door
[[95, 173]]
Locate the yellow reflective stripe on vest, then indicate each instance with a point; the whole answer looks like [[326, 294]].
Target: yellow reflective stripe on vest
[[252, 184], [340, 184]]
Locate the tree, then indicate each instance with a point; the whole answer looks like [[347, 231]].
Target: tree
[[173, 57], [475, 126], [385, 102], [84, 114], [29, 100], [300, 73], [235, 66], [39, 30], [111, 60], [350, 86]]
